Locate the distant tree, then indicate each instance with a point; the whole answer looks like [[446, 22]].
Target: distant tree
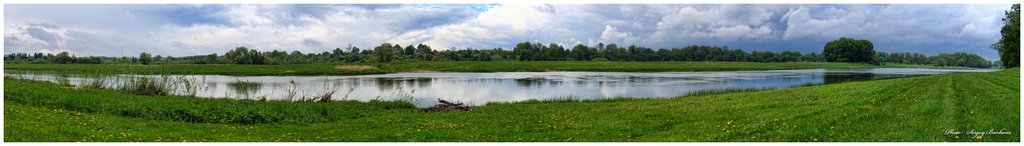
[[789, 56], [809, 57], [524, 51], [338, 55], [63, 58], [423, 52], [552, 52], [409, 51], [1009, 45], [582, 52], [850, 50], [145, 58], [959, 59], [243, 55], [384, 52], [212, 58], [16, 60]]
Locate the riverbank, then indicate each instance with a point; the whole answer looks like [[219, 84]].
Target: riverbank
[[464, 66], [907, 109]]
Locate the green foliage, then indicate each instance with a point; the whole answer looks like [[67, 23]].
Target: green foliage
[[63, 58], [145, 86], [243, 55], [942, 59], [959, 59], [1009, 44], [582, 52], [850, 50], [385, 52], [190, 109], [212, 58], [145, 58], [525, 51]]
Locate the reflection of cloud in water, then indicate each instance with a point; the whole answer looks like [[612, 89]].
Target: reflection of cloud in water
[[480, 88]]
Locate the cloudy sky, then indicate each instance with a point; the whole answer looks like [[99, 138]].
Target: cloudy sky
[[181, 30]]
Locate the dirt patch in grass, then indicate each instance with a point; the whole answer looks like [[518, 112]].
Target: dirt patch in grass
[[354, 67]]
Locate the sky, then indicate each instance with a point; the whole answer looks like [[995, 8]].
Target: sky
[[184, 30]]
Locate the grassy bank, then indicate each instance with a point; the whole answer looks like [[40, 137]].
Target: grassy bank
[[493, 66], [906, 109]]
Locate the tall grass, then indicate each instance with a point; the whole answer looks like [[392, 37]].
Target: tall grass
[[161, 85], [292, 90], [62, 79], [325, 95], [191, 86], [96, 81]]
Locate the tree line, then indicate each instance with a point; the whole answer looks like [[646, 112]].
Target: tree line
[[527, 51]]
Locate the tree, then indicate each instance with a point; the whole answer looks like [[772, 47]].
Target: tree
[[551, 52], [1009, 45], [581, 52], [524, 51], [212, 58], [409, 51], [959, 59], [384, 52], [850, 50], [242, 55], [145, 58], [423, 52], [63, 58]]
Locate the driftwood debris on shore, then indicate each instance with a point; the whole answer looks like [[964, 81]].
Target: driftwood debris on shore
[[447, 106]]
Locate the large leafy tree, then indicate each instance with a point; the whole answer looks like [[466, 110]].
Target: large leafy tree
[[145, 58], [385, 52], [525, 51], [63, 58], [1009, 45], [243, 55], [850, 50]]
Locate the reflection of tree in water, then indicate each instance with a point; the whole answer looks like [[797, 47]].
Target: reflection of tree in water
[[385, 83], [537, 82], [424, 82], [852, 77], [392, 83], [529, 82], [246, 89], [831, 77]]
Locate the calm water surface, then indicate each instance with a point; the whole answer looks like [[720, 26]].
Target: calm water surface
[[480, 88]]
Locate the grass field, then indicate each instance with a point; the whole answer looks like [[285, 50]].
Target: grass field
[[465, 66], [906, 109]]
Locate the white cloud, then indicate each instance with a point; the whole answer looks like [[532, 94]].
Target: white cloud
[[611, 35], [201, 29]]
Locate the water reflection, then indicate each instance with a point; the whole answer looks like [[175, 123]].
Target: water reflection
[[246, 89], [479, 88]]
